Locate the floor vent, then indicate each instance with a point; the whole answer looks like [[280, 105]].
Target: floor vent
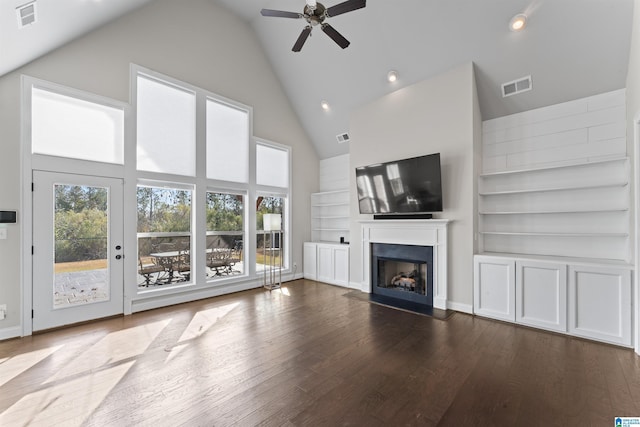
[[516, 86], [343, 137], [26, 14]]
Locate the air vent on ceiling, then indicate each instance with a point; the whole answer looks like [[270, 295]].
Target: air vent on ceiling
[[26, 14], [343, 137], [516, 86]]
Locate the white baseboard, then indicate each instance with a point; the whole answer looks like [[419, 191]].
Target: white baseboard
[[359, 286], [464, 308], [178, 297], [11, 332]]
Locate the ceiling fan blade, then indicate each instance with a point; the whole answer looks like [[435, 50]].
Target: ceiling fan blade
[[345, 7], [304, 35], [280, 13], [336, 36]]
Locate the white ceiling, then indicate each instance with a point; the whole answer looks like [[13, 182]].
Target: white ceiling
[[571, 48]]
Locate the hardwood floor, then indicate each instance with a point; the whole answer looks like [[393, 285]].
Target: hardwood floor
[[309, 355]]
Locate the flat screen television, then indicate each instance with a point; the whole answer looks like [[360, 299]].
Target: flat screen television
[[408, 186]]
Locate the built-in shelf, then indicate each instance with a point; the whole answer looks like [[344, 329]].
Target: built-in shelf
[[525, 233], [330, 216], [576, 211], [548, 189], [552, 167], [593, 197]]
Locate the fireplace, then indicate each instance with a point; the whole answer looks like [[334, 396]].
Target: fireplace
[[403, 272], [432, 269]]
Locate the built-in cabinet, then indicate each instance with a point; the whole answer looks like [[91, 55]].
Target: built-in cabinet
[[327, 262], [330, 216], [582, 299]]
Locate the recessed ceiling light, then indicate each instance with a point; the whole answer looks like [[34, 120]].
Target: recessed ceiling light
[[518, 22], [324, 105], [392, 76]]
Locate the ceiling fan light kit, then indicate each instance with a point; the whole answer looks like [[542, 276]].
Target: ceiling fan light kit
[[315, 14]]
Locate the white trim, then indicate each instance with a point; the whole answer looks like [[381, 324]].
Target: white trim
[[457, 306], [636, 240], [10, 332], [30, 161]]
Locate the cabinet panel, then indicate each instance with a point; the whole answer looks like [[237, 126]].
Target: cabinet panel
[[600, 303], [310, 261], [494, 285], [325, 263], [341, 266], [541, 294]]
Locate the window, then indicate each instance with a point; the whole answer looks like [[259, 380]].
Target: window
[[164, 235], [166, 132], [66, 126], [225, 234], [227, 142], [266, 241], [272, 166]]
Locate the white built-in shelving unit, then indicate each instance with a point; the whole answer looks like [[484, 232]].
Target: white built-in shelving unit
[[554, 220], [574, 210], [330, 216]]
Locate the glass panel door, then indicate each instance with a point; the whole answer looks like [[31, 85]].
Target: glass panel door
[[77, 248]]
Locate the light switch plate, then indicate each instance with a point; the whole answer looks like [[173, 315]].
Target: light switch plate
[[3, 233]]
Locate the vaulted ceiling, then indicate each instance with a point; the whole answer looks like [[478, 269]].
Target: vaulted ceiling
[[571, 49]]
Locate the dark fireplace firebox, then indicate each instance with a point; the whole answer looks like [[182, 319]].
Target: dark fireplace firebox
[[403, 272]]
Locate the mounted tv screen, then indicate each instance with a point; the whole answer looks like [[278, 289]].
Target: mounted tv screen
[[409, 186]]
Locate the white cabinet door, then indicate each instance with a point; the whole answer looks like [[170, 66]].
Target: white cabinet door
[[310, 270], [325, 263], [541, 294], [341, 265], [600, 303], [493, 287]]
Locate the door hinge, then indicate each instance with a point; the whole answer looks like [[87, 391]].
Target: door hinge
[[32, 250], [33, 187], [32, 314]]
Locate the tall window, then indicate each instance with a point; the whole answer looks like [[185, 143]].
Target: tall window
[[176, 123], [225, 234], [166, 127], [227, 142], [266, 241], [164, 235]]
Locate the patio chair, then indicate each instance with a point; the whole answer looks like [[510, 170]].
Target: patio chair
[[182, 265], [147, 267], [235, 256], [218, 261]]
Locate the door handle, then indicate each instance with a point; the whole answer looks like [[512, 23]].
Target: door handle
[[118, 247], [119, 256]]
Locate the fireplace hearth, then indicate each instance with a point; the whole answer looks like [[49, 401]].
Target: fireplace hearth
[[403, 272]]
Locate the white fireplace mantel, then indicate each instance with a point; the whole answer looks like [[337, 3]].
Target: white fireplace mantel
[[419, 232]]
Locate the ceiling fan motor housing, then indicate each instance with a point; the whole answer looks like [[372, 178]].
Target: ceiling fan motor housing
[[315, 16]]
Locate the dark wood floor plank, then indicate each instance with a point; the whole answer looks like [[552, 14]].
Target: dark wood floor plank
[[309, 355]]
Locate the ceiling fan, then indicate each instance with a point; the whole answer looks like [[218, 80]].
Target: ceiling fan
[[315, 13]]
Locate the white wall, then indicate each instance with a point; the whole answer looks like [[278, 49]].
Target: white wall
[[437, 115], [633, 112], [195, 41], [334, 173]]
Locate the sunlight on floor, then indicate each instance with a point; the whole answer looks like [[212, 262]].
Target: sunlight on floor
[[11, 367], [69, 403], [113, 348], [202, 321]]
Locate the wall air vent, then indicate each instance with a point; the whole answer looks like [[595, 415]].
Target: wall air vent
[[26, 14], [343, 137], [516, 86]]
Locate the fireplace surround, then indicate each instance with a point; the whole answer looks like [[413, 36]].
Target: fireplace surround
[[423, 233]]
